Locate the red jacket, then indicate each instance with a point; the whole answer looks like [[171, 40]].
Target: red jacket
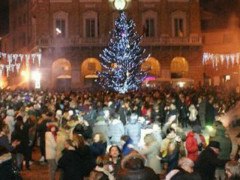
[[192, 145]]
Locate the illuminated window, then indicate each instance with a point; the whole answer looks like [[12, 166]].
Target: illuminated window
[[178, 27], [60, 28], [179, 21], [91, 66]]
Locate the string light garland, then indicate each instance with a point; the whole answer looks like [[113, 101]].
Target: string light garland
[[14, 61], [217, 59], [122, 59]]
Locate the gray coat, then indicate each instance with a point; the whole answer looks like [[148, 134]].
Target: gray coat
[[151, 152], [133, 129], [116, 130]]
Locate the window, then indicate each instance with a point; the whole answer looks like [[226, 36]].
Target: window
[[150, 27], [179, 24], [90, 28], [178, 27], [60, 28], [149, 24], [91, 66], [90, 20]]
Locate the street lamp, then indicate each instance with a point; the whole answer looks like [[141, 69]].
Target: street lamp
[[120, 4]]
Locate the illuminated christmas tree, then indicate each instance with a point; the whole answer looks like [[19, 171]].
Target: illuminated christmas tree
[[122, 59]]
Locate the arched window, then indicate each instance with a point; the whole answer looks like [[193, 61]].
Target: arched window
[[90, 23], [152, 66], [60, 24], [149, 24], [89, 67], [179, 24], [179, 67]]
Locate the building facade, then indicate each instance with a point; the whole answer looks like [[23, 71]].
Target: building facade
[[224, 43], [71, 34]]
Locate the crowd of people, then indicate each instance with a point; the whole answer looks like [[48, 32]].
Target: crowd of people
[[150, 134]]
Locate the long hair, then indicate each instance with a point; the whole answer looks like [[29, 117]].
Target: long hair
[[102, 138], [78, 141], [149, 139]]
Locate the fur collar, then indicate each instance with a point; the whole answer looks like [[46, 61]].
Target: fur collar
[[100, 169]]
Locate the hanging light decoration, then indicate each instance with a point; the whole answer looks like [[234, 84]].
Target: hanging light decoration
[[217, 59]]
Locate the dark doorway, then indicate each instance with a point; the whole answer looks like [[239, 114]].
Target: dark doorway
[[63, 84]]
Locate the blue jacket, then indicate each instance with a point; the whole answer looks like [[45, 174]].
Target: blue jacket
[[126, 150]]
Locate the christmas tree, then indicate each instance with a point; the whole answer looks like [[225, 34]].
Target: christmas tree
[[122, 59]]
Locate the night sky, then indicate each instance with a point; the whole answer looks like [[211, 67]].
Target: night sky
[[220, 7]]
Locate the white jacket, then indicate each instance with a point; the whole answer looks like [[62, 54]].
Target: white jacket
[[50, 145]]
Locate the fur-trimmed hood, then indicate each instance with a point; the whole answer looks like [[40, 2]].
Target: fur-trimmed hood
[[133, 161]]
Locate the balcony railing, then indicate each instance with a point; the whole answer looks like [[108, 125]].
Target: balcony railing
[[88, 42], [194, 40]]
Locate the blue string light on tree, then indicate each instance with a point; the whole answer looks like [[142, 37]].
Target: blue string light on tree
[[122, 59]]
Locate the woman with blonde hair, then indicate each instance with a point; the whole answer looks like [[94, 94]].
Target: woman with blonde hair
[[232, 169], [151, 152]]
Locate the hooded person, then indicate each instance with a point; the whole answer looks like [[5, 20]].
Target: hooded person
[[133, 129], [195, 143], [133, 168]]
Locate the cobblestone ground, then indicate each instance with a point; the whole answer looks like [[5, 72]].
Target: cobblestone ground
[[40, 171]]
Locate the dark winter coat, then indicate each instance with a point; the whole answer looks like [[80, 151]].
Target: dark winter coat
[[210, 116], [22, 135], [171, 159], [123, 115], [206, 164], [184, 175], [42, 129], [76, 163], [98, 149]]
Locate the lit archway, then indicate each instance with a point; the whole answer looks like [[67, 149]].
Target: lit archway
[[89, 68], [152, 66], [179, 67], [61, 73]]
